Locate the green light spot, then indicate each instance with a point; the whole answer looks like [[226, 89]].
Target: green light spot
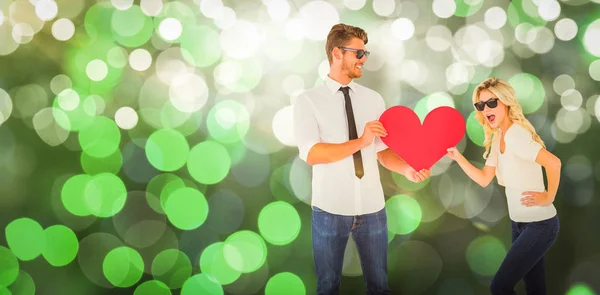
[[4, 291], [152, 288], [431, 102], [285, 283], [25, 237], [403, 214], [466, 8], [101, 138], [408, 185], [72, 119], [61, 245], [73, 193], [96, 19], [9, 267], [529, 91], [209, 162], [475, 130], [105, 195], [24, 285], [485, 254], [123, 267], [201, 284], [176, 9], [279, 223], [517, 15], [228, 121], [110, 164], [213, 263], [200, 45], [245, 251], [186, 208], [172, 267], [580, 289], [131, 27], [167, 150], [161, 185]]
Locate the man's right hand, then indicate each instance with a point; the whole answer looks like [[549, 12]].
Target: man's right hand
[[372, 129]]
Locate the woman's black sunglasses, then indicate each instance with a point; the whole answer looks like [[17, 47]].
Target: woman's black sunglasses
[[359, 52], [491, 103]]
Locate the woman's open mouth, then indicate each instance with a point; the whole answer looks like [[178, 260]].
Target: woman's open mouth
[[491, 118]]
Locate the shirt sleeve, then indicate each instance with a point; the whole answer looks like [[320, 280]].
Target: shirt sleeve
[[379, 145], [306, 129], [492, 159], [521, 143]]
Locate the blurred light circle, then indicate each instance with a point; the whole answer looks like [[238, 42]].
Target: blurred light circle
[[46, 10], [188, 93], [444, 8], [138, 224], [228, 121], [213, 263], [580, 289], [543, 42], [591, 38], [475, 130], [126, 118], [92, 252], [152, 287], [2, 17], [170, 29], [171, 64], [47, 127], [151, 8], [439, 38], [208, 162], [549, 10], [96, 70], [167, 149], [594, 70], [28, 100], [59, 83], [22, 33], [131, 27], [525, 33], [404, 214], [298, 181], [279, 223], [563, 83], [285, 283], [172, 267], [571, 99], [292, 84], [6, 106], [122, 4], [186, 208], [384, 7], [495, 18], [278, 47], [72, 195], [355, 4], [68, 99], [529, 90], [565, 29], [7, 44], [92, 165], [123, 267], [490, 53], [24, 285], [245, 251], [465, 8], [485, 254], [226, 18], [201, 284], [569, 121], [63, 29], [460, 195], [26, 238], [242, 40], [561, 135], [60, 246], [597, 109], [201, 45], [140, 59], [105, 195], [225, 203], [101, 138], [211, 8], [278, 9], [403, 28], [457, 73], [317, 19], [578, 168], [9, 267], [117, 57], [283, 126]]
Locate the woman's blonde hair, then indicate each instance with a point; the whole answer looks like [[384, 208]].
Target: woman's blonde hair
[[506, 94]]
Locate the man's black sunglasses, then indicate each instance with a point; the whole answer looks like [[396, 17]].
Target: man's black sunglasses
[[491, 103], [359, 52]]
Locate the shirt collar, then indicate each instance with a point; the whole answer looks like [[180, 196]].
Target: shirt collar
[[334, 86]]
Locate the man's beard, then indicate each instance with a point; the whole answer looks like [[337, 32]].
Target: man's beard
[[350, 71]]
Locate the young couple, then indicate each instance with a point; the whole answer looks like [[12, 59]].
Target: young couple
[[347, 196]]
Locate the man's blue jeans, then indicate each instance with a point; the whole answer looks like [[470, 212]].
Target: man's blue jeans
[[525, 259], [330, 234]]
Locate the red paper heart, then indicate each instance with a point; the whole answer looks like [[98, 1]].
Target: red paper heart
[[421, 146]]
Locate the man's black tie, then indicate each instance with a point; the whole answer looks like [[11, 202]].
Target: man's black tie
[[358, 164]]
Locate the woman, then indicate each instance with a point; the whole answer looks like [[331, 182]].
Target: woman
[[514, 153]]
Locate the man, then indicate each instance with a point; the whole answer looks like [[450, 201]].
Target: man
[[347, 196]]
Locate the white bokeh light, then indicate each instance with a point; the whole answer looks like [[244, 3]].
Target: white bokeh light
[[444, 8], [323, 69], [591, 38], [241, 40], [1, 17], [126, 118], [188, 93], [549, 10], [355, 4], [63, 29], [543, 42], [439, 38], [278, 9], [495, 18], [96, 70], [597, 109], [211, 8], [403, 29], [22, 33], [565, 29], [594, 70], [226, 18], [318, 17], [563, 83], [6, 106], [140, 59], [122, 4], [292, 84], [571, 99], [384, 7], [228, 73], [170, 29], [151, 7], [68, 99], [457, 73], [294, 29], [283, 126], [46, 10]]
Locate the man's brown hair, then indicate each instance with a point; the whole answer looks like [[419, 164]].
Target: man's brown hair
[[341, 34]]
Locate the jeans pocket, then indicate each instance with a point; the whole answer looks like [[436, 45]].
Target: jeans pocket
[[317, 209]]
